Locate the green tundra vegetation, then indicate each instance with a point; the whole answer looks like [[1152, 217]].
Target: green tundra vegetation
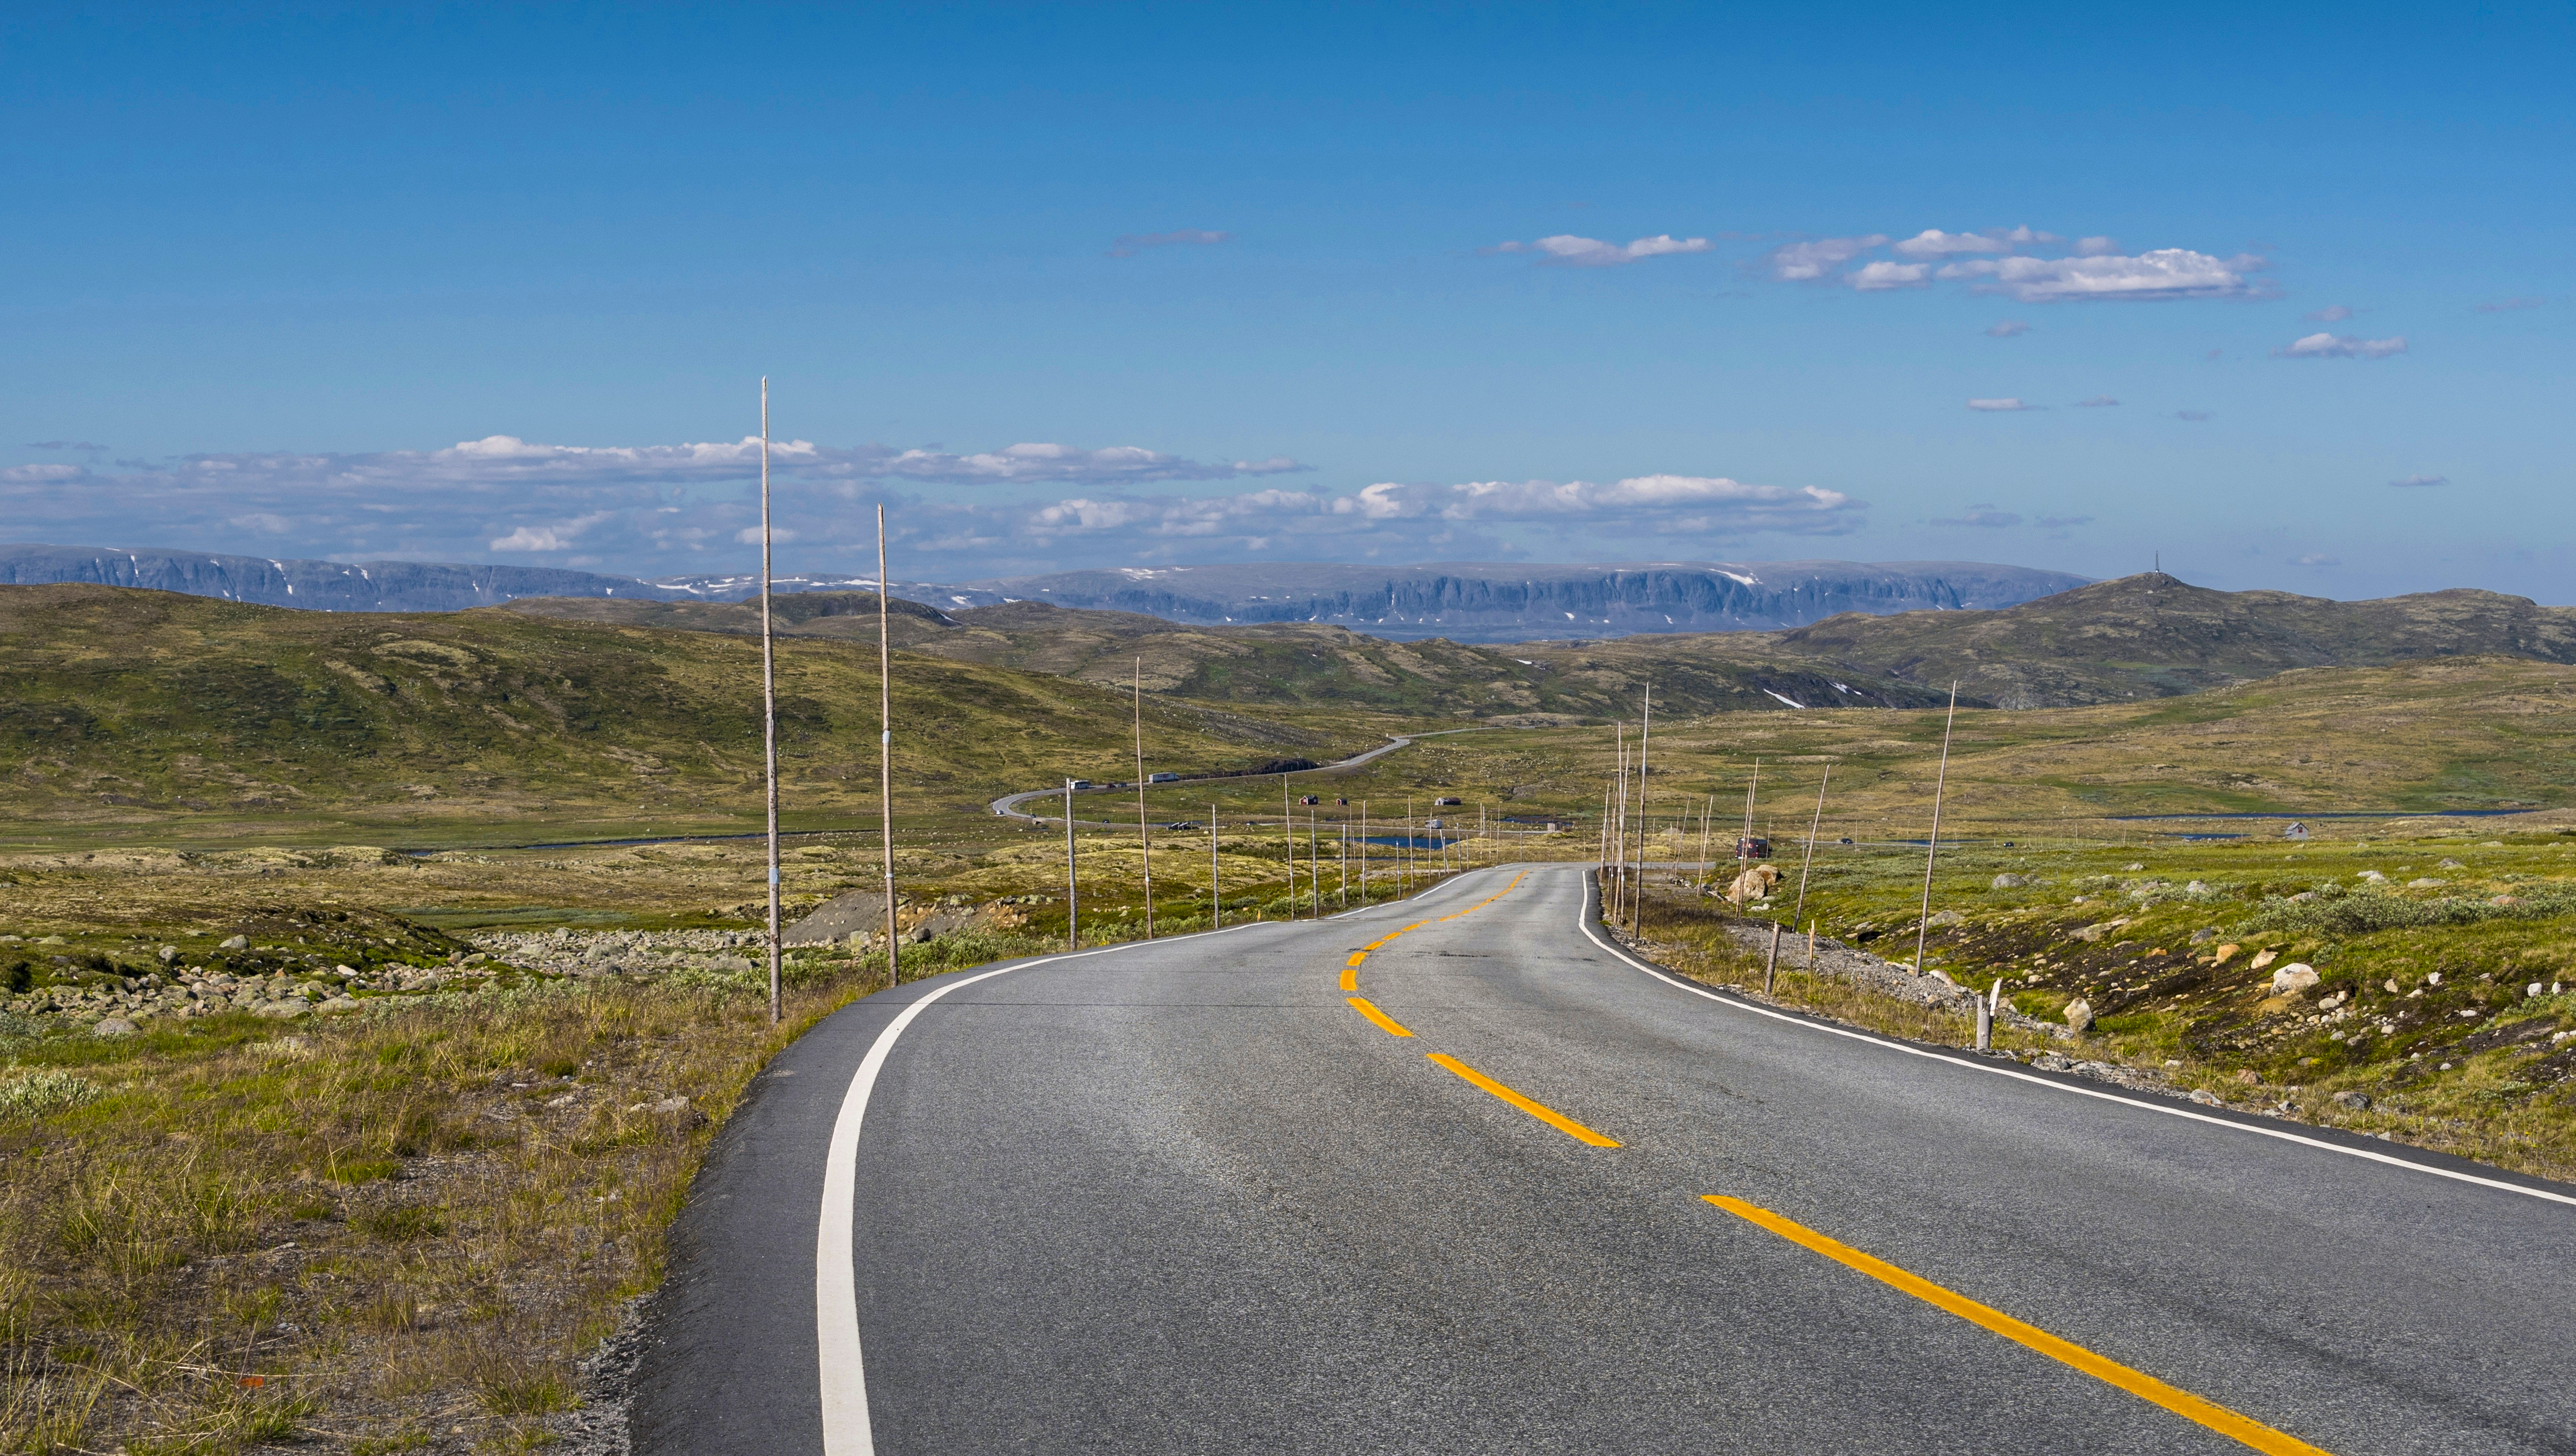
[[369, 1169]]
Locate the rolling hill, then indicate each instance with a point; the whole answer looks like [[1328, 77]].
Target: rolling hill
[[149, 707], [1285, 664]]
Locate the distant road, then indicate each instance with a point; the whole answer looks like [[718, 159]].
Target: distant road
[[1455, 1175], [1008, 806]]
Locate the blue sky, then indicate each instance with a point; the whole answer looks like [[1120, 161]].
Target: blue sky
[[1541, 283]]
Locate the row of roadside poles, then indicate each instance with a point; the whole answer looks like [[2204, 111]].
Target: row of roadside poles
[[1623, 876], [769, 729], [1409, 866], [1447, 853]]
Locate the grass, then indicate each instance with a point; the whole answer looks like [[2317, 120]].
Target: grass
[[410, 1214], [459, 1236], [2451, 1014]]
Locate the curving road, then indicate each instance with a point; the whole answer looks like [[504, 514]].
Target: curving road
[[1008, 806], [1490, 1186]]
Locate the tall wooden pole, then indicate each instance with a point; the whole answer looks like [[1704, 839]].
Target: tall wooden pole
[[769, 707], [1072, 878], [1707, 811], [1288, 827], [1923, 926], [885, 747], [1144, 836], [1645, 733], [1810, 857], [1216, 878]]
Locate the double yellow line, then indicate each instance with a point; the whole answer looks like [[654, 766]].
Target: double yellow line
[[2242, 1429]]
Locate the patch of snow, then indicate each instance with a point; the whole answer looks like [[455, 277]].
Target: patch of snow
[[1741, 580], [1792, 702]]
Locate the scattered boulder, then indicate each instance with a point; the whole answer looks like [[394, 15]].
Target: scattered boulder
[[2293, 979], [2450, 864], [286, 1010], [238, 942], [2079, 1016], [2205, 1097], [836, 919], [2196, 887], [2353, 1101], [1946, 917], [2265, 957], [2011, 882], [2249, 1077], [113, 1026], [2224, 952]]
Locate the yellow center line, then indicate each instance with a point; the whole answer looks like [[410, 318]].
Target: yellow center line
[[2146, 1387], [1384, 1022], [1351, 967], [1543, 1113]]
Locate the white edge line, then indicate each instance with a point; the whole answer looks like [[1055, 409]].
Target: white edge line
[[1582, 923], [846, 1427]]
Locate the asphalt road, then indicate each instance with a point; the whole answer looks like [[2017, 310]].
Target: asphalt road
[[1187, 1197]]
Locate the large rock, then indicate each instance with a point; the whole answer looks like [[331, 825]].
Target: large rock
[[858, 912], [113, 1026], [2079, 1016], [286, 1010], [2293, 979]]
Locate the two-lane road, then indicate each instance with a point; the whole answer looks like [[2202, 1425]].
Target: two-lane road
[[1273, 1189]]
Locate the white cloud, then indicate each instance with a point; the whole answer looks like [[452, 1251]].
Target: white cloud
[[1696, 505], [531, 538], [1983, 514], [42, 474], [1815, 261], [2345, 346], [1934, 243], [2007, 329], [1567, 250], [778, 535], [2096, 247], [2505, 305], [2332, 313], [1068, 463], [2060, 523], [2318, 561], [1130, 244], [2415, 481], [2161, 275], [2099, 401], [1999, 406], [1879, 276]]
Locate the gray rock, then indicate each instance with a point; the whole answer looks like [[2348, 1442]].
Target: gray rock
[[2206, 1098], [238, 942], [113, 1026], [339, 1006], [2293, 979], [280, 1010], [2011, 882], [2356, 1101], [836, 918], [2079, 1016], [1947, 917]]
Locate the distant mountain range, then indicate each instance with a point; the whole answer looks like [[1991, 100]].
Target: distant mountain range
[[1465, 602], [1512, 602]]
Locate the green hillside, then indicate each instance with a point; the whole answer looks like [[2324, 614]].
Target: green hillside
[[1285, 664], [153, 709]]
